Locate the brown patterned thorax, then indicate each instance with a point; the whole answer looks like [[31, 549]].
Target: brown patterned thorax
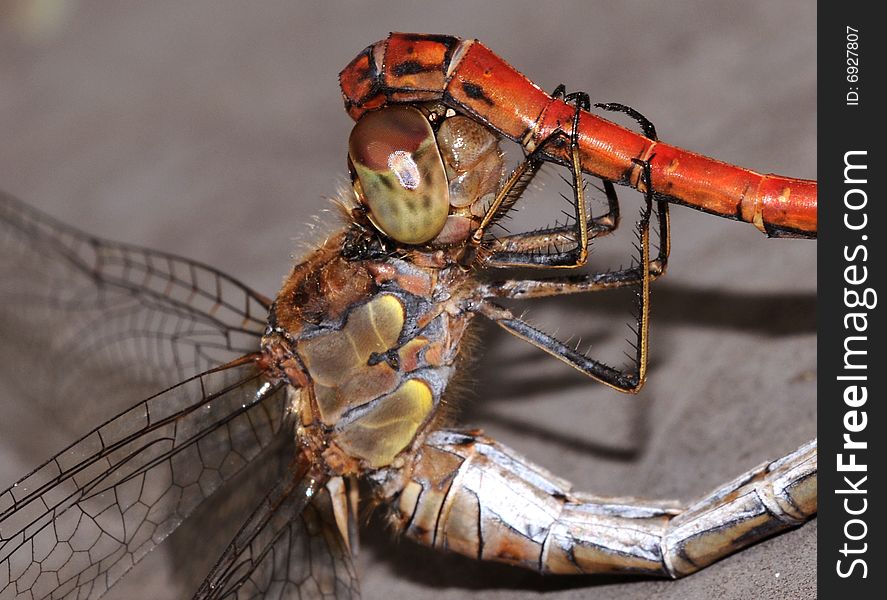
[[368, 347], [367, 329]]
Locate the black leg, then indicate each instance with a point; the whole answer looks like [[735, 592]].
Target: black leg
[[534, 249], [641, 274], [645, 124]]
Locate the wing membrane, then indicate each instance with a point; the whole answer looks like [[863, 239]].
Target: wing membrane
[[107, 315], [289, 548], [79, 521], [87, 328]]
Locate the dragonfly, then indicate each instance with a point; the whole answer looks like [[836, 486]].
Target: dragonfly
[[338, 387], [469, 77]]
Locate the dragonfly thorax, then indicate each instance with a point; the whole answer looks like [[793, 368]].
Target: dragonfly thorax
[[371, 345]]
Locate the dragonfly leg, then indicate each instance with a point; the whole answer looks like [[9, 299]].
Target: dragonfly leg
[[541, 245], [502, 251], [623, 381], [544, 248], [609, 221], [588, 282], [535, 248], [569, 284], [472, 495], [647, 127]]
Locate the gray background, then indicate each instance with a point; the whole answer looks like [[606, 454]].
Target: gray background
[[215, 130]]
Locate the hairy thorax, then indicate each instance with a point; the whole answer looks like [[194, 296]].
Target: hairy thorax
[[368, 348]]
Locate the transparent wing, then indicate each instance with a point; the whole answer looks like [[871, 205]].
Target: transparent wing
[[290, 548], [87, 328], [77, 523], [107, 317]]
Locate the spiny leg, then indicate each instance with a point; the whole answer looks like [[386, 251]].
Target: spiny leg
[[541, 241], [512, 250], [497, 253], [647, 127], [589, 282], [602, 225], [469, 494], [609, 221], [659, 265], [623, 381]]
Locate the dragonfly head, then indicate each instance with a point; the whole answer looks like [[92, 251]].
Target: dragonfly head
[[424, 177]]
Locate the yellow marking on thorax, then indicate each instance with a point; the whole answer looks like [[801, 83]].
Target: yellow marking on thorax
[[338, 361], [382, 433]]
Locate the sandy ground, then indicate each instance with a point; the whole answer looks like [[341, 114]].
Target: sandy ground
[[214, 130]]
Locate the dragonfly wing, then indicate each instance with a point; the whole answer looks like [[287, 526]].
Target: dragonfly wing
[[291, 547], [72, 527], [94, 316], [87, 328]]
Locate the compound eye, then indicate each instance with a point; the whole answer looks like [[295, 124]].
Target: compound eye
[[400, 173]]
